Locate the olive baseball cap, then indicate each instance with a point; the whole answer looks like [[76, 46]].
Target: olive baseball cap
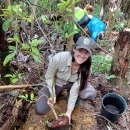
[[85, 43]]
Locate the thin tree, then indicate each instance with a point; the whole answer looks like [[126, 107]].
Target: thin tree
[[70, 39]]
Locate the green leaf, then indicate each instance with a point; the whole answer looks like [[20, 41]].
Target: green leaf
[[42, 78], [16, 21], [71, 34], [30, 18], [12, 48], [6, 24], [36, 42], [32, 96], [31, 101], [20, 75], [10, 39], [110, 77], [16, 28], [25, 46], [8, 58], [14, 80], [22, 96], [16, 38], [46, 122], [8, 75], [35, 51], [26, 95], [36, 58]]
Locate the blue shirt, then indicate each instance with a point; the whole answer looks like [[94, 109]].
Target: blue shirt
[[96, 26]]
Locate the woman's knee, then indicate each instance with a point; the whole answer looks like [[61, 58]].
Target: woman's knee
[[41, 109], [41, 106], [89, 92]]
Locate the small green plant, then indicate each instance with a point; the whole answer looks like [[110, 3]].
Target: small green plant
[[14, 78], [25, 47], [26, 97], [100, 64]]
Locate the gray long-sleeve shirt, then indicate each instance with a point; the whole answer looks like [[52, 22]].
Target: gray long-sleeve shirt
[[60, 65]]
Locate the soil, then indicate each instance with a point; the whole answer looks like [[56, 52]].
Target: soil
[[112, 109]]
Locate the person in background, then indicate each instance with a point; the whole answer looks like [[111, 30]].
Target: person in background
[[71, 71], [83, 18]]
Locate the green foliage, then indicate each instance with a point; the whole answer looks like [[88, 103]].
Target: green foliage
[[8, 58], [96, 12], [69, 29], [100, 64], [17, 13], [14, 78], [26, 97], [27, 48], [110, 77], [32, 49], [120, 26], [66, 5], [6, 24], [14, 39]]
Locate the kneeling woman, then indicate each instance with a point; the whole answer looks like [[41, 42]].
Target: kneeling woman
[[72, 70]]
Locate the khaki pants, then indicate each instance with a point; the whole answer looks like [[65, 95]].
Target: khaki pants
[[42, 107]]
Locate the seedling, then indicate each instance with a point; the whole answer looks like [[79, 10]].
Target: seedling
[[26, 97], [13, 77]]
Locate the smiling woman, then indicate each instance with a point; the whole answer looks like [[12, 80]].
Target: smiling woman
[[72, 70]]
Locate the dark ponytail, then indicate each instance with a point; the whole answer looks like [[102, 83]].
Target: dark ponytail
[[84, 70]]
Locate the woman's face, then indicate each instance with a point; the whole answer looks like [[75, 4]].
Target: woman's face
[[81, 55]]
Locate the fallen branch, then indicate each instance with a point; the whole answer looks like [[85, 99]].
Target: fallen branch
[[19, 86], [106, 120]]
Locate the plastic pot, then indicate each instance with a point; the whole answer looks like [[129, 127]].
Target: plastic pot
[[113, 106]]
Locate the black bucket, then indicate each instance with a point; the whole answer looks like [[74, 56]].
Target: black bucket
[[113, 106]]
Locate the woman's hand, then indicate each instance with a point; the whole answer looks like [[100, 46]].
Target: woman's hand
[[50, 102], [68, 113]]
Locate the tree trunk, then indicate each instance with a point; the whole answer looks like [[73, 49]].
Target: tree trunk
[[121, 59], [3, 53], [8, 3], [102, 4], [70, 39], [109, 19], [32, 23], [113, 21]]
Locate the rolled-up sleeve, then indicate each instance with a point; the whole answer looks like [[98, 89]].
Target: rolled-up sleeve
[[74, 92], [51, 71]]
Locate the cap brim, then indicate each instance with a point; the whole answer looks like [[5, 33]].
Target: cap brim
[[78, 47]]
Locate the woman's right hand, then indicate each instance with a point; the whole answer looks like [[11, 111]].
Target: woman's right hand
[[68, 113], [50, 102]]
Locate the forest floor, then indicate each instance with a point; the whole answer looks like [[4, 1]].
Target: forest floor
[[86, 116]]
